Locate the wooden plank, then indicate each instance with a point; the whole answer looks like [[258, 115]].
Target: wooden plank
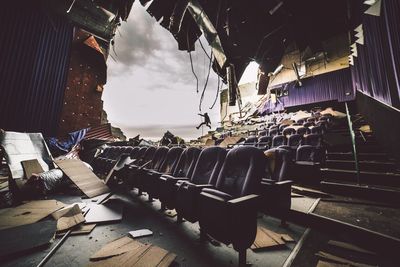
[[83, 178], [330, 264], [30, 167], [349, 247], [70, 219], [28, 213], [116, 247], [26, 237], [338, 259], [266, 239], [143, 255], [81, 229], [287, 238]]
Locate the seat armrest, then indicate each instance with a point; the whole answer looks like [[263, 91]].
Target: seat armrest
[[245, 200], [286, 182], [198, 187], [266, 180]]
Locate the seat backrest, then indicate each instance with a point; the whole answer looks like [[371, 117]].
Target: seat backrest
[[278, 163], [251, 140], [242, 171], [313, 140], [187, 162], [288, 131], [158, 158], [303, 131], [171, 160], [295, 140], [273, 132], [278, 140], [283, 127], [308, 124], [149, 154], [263, 133], [310, 153], [208, 165], [134, 152], [140, 153], [317, 130], [264, 141]]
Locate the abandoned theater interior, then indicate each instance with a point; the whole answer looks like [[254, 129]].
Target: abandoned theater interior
[[301, 168]]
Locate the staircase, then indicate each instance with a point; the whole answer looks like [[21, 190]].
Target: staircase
[[377, 169]]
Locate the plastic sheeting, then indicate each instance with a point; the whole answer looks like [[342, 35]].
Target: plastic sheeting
[[63, 147], [25, 146]]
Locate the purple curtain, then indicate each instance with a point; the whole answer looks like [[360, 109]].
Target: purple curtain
[[336, 85], [376, 68], [34, 59]]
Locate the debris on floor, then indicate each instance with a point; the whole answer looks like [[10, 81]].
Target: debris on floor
[[26, 237], [269, 239], [111, 211], [337, 259], [141, 233], [30, 212], [128, 252], [83, 177]]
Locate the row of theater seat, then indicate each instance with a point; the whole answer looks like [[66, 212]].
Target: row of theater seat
[[221, 189]]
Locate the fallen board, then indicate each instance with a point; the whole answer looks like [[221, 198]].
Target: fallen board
[[83, 177], [116, 247], [81, 229], [119, 165], [330, 257], [108, 212], [330, 264], [31, 166], [266, 239], [28, 213], [25, 237], [143, 255]]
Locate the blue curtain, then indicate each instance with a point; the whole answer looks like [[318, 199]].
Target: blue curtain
[[336, 85], [34, 58], [376, 69]]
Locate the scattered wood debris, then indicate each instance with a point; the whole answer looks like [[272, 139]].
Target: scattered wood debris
[[341, 260], [349, 247], [28, 213], [268, 239], [83, 177], [128, 252], [140, 233]]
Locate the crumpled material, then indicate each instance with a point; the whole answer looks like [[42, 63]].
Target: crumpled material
[[51, 179]]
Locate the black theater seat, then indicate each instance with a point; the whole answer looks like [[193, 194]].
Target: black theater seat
[[228, 212], [204, 175], [150, 183], [184, 168], [276, 186], [154, 165]]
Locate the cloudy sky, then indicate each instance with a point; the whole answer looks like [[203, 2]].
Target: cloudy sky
[[151, 88]]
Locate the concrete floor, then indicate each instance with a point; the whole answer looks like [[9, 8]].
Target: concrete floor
[[181, 239]]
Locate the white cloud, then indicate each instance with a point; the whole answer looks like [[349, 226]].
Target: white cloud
[[151, 88]]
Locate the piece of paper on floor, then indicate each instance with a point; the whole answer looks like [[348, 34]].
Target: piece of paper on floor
[[140, 233]]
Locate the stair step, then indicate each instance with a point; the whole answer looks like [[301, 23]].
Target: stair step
[[361, 156], [366, 177], [377, 166], [365, 148]]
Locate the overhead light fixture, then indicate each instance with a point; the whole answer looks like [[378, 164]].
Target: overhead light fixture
[[276, 71], [273, 10]]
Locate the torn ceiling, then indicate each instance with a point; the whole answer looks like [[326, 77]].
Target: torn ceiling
[[241, 31]]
